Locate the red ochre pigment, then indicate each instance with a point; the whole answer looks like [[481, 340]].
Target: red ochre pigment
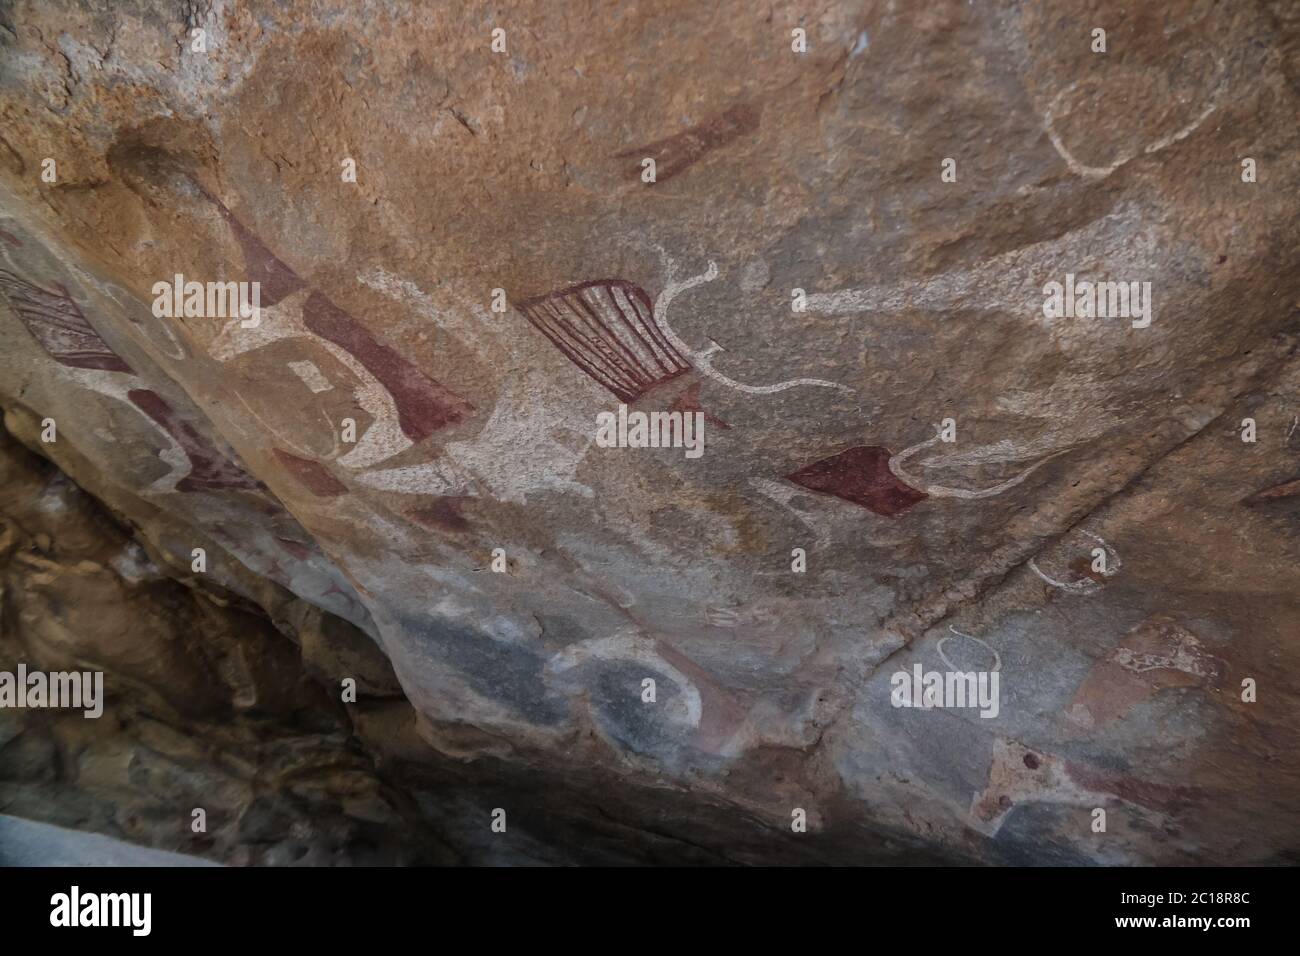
[[860, 475]]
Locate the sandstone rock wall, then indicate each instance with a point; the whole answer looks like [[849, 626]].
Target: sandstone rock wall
[[810, 275]]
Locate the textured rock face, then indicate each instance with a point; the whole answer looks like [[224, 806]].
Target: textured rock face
[[389, 472], [207, 704]]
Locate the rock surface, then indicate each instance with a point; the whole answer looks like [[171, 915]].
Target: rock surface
[[25, 843], [358, 465]]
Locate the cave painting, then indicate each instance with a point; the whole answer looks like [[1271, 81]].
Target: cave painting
[[703, 360], [56, 322], [606, 327], [209, 469], [708, 714], [996, 453], [997, 658], [1055, 108], [679, 152], [1009, 285], [312, 475], [405, 405], [872, 477], [1285, 489], [1089, 580], [861, 476], [628, 645], [471, 468], [782, 494], [1157, 654], [1018, 776], [610, 330]]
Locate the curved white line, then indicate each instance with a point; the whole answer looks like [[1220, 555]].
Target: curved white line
[[997, 658], [940, 491], [1101, 172], [781, 495], [702, 360], [1086, 585]]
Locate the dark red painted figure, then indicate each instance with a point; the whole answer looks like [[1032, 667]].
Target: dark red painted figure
[[423, 405], [860, 475], [679, 152], [607, 328], [62, 330], [57, 324]]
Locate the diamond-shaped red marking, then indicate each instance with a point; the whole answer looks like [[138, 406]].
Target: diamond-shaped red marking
[[860, 475]]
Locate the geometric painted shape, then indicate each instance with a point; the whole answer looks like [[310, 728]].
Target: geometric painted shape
[[862, 476], [680, 151], [311, 376], [607, 328], [58, 326]]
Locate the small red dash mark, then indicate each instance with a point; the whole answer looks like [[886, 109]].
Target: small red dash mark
[[683, 150], [443, 515], [1287, 489], [10, 238], [860, 475], [314, 476]]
